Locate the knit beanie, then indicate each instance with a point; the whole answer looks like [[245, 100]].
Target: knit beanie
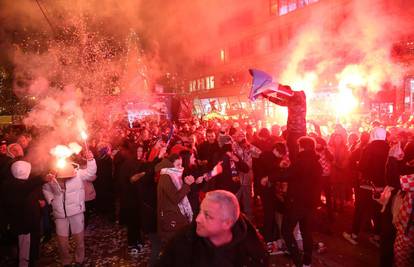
[[21, 169]]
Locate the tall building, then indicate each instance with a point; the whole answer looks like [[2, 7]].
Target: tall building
[[269, 35]]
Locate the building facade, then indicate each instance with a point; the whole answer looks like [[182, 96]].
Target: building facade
[[260, 37]]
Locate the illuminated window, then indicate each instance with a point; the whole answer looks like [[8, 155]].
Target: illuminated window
[[282, 7], [222, 55]]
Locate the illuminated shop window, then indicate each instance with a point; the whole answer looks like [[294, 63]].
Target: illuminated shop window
[[282, 7], [222, 55]]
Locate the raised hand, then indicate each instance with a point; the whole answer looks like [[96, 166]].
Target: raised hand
[[189, 179]]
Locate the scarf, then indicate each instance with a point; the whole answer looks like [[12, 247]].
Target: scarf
[[184, 205], [406, 214]]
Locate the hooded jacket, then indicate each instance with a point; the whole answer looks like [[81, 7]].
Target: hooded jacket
[[188, 249], [373, 160]]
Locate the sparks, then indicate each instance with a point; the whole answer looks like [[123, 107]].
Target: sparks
[[84, 135]]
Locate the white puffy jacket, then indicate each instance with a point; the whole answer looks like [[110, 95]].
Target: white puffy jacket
[[70, 201]]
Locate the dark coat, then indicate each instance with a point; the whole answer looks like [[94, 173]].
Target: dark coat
[[372, 162], [394, 169], [209, 152], [21, 202], [128, 191], [188, 249], [353, 162], [147, 189], [266, 147], [104, 184], [270, 166], [4, 163], [5, 167], [225, 180], [304, 182]]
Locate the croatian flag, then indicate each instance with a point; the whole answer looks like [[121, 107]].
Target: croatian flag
[[264, 84]]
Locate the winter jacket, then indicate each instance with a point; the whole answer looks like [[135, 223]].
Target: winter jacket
[[225, 180], [170, 218], [21, 203], [353, 162], [148, 194], [70, 200], [304, 182], [188, 249], [372, 162], [209, 152], [270, 167], [90, 193], [104, 183], [296, 122]]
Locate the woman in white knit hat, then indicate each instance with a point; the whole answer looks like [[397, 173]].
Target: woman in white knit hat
[[23, 210]]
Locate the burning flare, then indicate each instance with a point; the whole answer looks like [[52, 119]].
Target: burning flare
[[84, 135], [62, 152], [61, 163]]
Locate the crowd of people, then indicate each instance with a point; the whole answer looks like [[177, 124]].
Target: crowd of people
[[193, 190]]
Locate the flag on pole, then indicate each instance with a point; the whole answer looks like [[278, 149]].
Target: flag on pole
[[264, 84], [171, 116]]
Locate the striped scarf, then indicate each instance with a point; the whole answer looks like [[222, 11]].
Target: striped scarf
[[176, 177]]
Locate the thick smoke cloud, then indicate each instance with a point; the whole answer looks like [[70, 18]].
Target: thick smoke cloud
[[87, 49], [351, 44], [68, 55]]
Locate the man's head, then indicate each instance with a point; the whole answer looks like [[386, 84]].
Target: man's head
[[140, 153], [176, 160], [23, 140], [186, 127], [279, 149], [275, 130], [306, 143], [264, 134], [15, 150], [210, 136], [3, 147], [218, 213], [240, 136]]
